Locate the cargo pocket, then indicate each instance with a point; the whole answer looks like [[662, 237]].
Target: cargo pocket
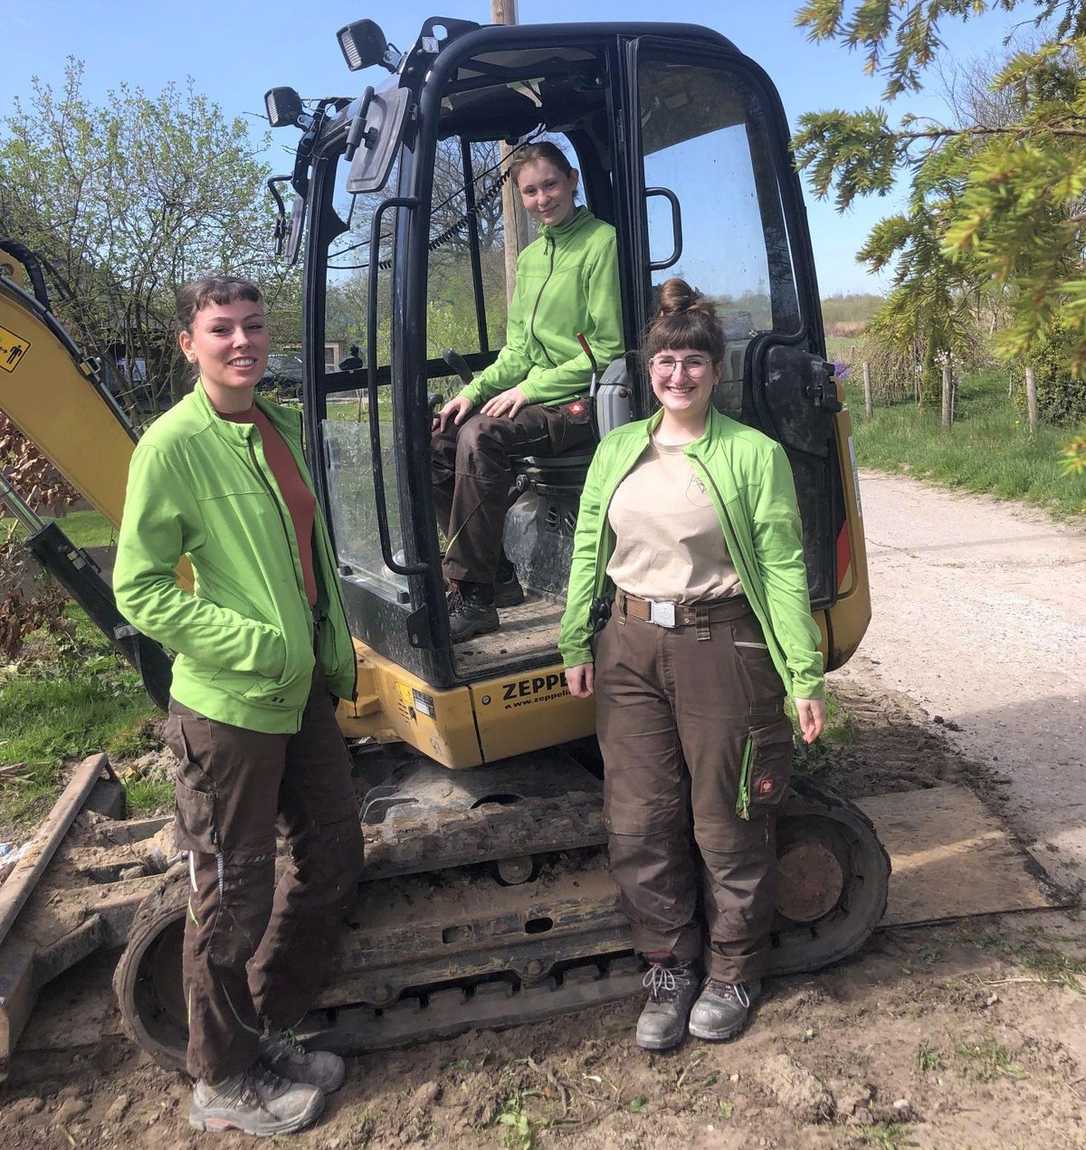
[[765, 768], [194, 806], [570, 427]]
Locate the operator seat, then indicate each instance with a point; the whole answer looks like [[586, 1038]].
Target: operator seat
[[565, 473]]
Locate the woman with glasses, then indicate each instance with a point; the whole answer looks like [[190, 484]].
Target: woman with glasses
[[689, 526]]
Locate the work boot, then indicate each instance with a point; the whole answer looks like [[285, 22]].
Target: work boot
[[283, 1054], [672, 990], [471, 611], [507, 589], [722, 1009], [257, 1101]]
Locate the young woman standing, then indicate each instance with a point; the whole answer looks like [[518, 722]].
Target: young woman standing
[[691, 519], [528, 399], [262, 647]]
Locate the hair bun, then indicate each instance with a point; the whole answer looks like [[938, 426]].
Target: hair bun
[[678, 297]]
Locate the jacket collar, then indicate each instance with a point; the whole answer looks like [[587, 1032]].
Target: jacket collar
[[580, 217], [240, 433], [706, 443]]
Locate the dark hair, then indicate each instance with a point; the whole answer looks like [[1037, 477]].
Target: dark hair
[[533, 153], [685, 319], [197, 294]]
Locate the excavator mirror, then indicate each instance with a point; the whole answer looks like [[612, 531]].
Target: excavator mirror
[[294, 236], [283, 107]]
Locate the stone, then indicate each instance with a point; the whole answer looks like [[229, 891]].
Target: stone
[[903, 1111], [24, 1107], [426, 1095], [117, 1108], [71, 1108], [797, 1089]]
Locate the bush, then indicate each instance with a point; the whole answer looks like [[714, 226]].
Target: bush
[[1061, 399]]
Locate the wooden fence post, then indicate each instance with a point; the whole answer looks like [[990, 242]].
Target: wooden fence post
[[1031, 400], [946, 392], [867, 390]]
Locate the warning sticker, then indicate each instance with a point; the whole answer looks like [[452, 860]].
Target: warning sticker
[[12, 349], [424, 703]]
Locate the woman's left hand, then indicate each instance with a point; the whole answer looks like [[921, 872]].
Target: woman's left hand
[[811, 714], [505, 403]]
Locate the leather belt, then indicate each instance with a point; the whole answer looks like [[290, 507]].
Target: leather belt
[[668, 614]]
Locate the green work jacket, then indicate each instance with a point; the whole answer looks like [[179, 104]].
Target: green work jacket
[[200, 486], [749, 481], [567, 282]]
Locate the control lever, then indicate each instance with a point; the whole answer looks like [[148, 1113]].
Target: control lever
[[459, 364], [582, 339]]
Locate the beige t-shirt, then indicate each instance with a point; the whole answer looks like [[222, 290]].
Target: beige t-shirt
[[669, 545]]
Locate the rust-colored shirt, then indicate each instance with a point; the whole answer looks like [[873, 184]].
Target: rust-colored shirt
[[296, 495]]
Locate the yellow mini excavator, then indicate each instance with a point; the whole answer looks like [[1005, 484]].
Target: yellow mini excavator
[[486, 899]]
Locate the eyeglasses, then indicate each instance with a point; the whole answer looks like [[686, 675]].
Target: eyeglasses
[[694, 365]]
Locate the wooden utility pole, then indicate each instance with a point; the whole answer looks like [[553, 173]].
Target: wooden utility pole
[[948, 412], [514, 218], [1031, 400], [867, 390]]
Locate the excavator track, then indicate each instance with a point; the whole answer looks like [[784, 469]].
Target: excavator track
[[431, 953]]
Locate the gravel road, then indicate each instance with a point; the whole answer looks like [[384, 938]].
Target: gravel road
[[979, 616]]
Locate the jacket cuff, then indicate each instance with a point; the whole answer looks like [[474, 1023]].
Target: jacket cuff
[[576, 656], [808, 687]]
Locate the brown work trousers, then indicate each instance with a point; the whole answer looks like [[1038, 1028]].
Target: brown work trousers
[[256, 950], [678, 712], [472, 477]]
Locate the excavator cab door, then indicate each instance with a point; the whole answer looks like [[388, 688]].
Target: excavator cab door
[[719, 205]]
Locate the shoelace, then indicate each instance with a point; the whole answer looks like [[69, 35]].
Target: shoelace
[[248, 1092], [286, 1042], [736, 990], [659, 979]]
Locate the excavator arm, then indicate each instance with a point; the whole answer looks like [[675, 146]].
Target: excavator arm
[[54, 396]]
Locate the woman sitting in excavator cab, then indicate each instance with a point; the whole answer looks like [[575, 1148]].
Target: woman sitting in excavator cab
[[532, 398]]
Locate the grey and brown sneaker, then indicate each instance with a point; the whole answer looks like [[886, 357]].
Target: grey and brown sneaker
[[283, 1054], [722, 1009], [257, 1101], [672, 990], [471, 613]]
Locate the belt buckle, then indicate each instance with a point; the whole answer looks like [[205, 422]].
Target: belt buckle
[[662, 614]]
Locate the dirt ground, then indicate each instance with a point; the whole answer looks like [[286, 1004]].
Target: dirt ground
[[968, 1034]]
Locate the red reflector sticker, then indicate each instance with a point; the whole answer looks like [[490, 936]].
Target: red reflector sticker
[[576, 408], [765, 787]]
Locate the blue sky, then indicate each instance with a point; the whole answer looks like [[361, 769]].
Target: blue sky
[[234, 52]]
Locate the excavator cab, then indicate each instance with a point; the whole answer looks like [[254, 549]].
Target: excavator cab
[[682, 145]]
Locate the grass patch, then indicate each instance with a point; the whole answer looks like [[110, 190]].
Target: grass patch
[[1037, 957], [520, 1128], [928, 1059], [83, 528], [149, 796], [988, 1060], [840, 731], [67, 698], [989, 448], [887, 1136]]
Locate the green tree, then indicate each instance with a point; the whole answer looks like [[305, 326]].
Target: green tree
[[997, 205], [128, 199]]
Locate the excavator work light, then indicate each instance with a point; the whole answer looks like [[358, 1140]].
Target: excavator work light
[[283, 106], [363, 44]]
